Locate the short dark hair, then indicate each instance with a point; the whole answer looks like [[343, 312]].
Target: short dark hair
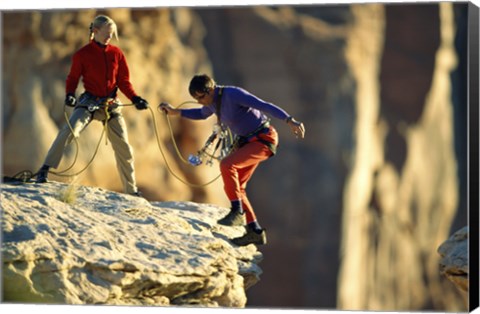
[[200, 83]]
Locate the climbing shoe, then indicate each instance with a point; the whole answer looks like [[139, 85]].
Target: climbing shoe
[[138, 194], [251, 237], [233, 218], [42, 175]]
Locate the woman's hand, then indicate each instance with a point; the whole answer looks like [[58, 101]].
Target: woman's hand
[[140, 103]]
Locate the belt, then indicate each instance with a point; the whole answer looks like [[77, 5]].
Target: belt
[[93, 103], [263, 128]]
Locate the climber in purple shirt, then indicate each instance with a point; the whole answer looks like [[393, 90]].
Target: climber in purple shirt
[[241, 111], [246, 116]]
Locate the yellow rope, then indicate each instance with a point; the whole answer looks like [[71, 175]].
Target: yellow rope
[[61, 173], [178, 152], [169, 123], [171, 130], [173, 137], [105, 130], [76, 144]]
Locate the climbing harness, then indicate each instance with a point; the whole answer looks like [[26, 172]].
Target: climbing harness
[[255, 135]]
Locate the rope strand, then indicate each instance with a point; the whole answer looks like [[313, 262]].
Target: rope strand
[[178, 152], [27, 175]]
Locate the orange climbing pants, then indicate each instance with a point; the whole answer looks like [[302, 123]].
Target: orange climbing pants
[[238, 167]]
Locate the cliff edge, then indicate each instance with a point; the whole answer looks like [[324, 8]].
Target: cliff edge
[[66, 244]]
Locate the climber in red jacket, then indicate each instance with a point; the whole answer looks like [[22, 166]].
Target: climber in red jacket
[[104, 69]]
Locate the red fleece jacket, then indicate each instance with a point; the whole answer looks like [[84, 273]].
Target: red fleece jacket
[[102, 69]]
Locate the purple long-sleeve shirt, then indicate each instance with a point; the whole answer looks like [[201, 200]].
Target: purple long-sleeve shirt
[[241, 111]]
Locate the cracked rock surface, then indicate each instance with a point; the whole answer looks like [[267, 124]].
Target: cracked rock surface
[[103, 247]]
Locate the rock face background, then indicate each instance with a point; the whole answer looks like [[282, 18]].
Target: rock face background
[[163, 49], [102, 247], [360, 206]]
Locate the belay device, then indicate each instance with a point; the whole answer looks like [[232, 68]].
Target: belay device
[[220, 140]]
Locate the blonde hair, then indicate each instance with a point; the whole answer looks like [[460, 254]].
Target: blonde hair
[[100, 21]]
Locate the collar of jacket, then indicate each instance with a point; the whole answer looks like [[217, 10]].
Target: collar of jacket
[[98, 45]]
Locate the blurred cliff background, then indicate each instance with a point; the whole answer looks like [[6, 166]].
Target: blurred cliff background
[[355, 212]]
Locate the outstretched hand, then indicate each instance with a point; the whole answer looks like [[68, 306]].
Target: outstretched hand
[[168, 109], [297, 128]]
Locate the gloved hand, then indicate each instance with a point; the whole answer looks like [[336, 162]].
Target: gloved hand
[[140, 103], [70, 100]]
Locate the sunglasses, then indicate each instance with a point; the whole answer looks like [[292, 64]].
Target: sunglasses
[[200, 97]]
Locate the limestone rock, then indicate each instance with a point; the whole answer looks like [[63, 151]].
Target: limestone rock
[[454, 258], [83, 245]]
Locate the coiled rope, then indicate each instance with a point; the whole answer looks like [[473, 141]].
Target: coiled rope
[[177, 150], [27, 175]]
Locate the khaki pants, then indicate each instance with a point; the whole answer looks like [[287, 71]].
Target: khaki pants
[[117, 135]]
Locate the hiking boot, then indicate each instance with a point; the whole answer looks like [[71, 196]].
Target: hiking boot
[[251, 237], [233, 218], [138, 194], [42, 175]]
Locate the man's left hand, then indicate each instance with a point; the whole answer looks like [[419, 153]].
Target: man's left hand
[[297, 127]]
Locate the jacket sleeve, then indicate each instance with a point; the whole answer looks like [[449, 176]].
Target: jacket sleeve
[[123, 78], [246, 99], [74, 75], [197, 113]]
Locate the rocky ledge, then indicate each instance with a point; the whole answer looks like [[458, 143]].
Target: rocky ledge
[[64, 244], [454, 259]]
